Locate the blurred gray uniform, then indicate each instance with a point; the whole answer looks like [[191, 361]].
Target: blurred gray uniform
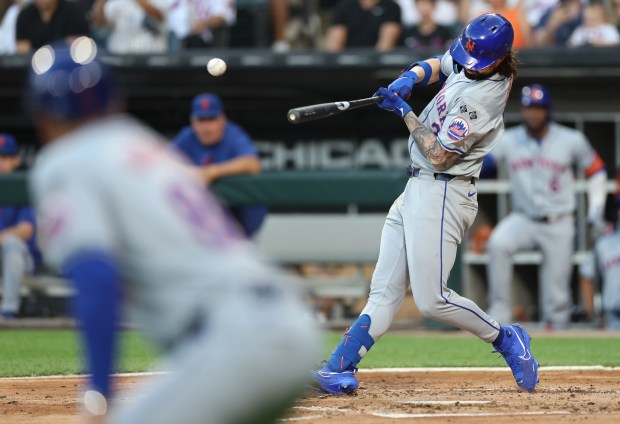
[[542, 187], [238, 337], [427, 222], [604, 262]]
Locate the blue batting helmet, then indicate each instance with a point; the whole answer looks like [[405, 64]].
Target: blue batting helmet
[[483, 41], [535, 95], [69, 82]]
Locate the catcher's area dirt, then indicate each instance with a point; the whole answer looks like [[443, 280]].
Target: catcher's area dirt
[[456, 397]]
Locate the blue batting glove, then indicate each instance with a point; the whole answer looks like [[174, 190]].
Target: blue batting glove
[[392, 102], [403, 85]]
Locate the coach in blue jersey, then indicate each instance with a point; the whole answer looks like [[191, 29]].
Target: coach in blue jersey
[[220, 148], [17, 236]]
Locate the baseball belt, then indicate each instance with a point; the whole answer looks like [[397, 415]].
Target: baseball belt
[[415, 172]]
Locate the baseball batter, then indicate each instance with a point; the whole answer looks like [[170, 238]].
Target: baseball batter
[[129, 226], [427, 222], [540, 156]]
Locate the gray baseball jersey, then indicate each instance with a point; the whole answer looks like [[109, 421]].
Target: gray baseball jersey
[[605, 262], [467, 117], [427, 222], [541, 172], [191, 284]]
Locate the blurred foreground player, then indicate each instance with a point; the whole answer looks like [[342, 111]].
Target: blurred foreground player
[[129, 226]]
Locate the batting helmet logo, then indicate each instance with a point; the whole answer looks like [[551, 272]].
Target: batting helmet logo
[[204, 103], [469, 46], [342, 105]]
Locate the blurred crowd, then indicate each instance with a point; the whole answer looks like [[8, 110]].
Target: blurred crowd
[[159, 26]]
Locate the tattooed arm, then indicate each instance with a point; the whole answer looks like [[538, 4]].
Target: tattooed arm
[[428, 143]]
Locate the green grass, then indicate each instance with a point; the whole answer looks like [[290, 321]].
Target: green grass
[[395, 350], [50, 352], [31, 353]]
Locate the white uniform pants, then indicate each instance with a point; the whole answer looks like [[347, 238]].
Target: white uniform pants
[[254, 355], [421, 234], [16, 262], [555, 240]]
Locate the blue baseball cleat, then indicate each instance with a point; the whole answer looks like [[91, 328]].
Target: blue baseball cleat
[[515, 348], [336, 383]]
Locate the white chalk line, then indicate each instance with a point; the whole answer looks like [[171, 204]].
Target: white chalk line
[[364, 370], [489, 369], [460, 414], [61, 376], [426, 415], [445, 402]]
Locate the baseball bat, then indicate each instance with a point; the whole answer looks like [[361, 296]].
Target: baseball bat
[[323, 110]]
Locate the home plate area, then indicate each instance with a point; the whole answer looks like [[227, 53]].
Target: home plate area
[[565, 395], [589, 395]]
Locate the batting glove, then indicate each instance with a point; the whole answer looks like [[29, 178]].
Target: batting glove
[[393, 103], [403, 85]]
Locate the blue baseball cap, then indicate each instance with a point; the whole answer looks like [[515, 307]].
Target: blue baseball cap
[[207, 105], [8, 145], [535, 95]]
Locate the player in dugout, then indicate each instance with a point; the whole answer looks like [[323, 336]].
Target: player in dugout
[[425, 225], [135, 232], [540, 157], [18, 236], [219, 148]]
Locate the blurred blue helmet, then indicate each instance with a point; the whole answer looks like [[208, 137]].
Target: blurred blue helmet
[[483, 41], [68, 82], [535, 95]]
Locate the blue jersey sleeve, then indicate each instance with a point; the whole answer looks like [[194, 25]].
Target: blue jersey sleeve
[[26, 214], [241, 142], [96, 278], [182, 143]]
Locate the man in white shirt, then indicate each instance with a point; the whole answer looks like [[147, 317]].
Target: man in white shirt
[[136, 26]]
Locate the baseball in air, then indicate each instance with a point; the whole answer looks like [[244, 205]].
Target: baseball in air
[[216, 67]]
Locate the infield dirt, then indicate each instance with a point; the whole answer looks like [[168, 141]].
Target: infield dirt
[[591, 396]]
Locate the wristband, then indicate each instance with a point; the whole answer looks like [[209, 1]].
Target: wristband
[[428, 71]]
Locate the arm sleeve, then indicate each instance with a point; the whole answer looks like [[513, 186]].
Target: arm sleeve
[[243, 144], [179, 146], [465, 124], [96, 278], [26, 215]]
